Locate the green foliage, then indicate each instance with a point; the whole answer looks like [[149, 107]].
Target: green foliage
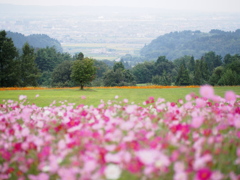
[[143, 72], [119, 76], [83, 71], [216, 76], [192, 43], [118, 65], [61, 76], [235, 64], [102, 68], [183, 78], [161, 80], [229, 78], [163, 65], [45, 79], [191, 65], [204, 71], [48, 58], [212, 60], [9, 65], [80, 56], [197, 80], [29, 73]]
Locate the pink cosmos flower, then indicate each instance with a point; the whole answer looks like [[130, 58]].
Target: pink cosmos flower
[[83, 97], [238, 134], [179, 166], [188, 97], [237, 123], [180, 176], [42, 176], [131, 108], [125, 100], [147, 156], [207, 91], [22, 97], [217, 175], [197, 121], [230, 96], [238, 151], [200, 103]]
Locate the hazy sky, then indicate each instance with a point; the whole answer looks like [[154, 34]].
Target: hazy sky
[[201, 5]]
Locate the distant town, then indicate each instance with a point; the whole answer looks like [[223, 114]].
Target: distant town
[[108, 33]]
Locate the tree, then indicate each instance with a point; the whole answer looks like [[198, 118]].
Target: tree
[[183, 76], [119, 76], [163, 65], [61, 75], [204, 71], [212, 60], [229, 78], [83, 71], [191, 65], [113, 78], [118, 65], [162, 80], [142, 73], [9, 65], [48, 58], [216, 76], [227, 59], [80, 56], [45, 79], [29, 71], [197, 80], [102, 68]]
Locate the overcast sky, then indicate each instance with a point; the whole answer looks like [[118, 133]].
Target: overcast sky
[[199, 5]]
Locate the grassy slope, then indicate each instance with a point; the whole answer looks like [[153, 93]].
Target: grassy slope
[[94, 96]]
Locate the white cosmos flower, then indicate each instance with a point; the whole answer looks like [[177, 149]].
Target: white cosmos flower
[[112, 171]]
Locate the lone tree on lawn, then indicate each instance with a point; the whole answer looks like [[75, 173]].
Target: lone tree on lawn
[[83, 71]]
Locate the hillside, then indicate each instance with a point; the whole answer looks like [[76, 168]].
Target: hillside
[[177, 44], [35, 40]]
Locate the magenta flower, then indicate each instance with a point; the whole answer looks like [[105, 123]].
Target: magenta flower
[[203, 174]]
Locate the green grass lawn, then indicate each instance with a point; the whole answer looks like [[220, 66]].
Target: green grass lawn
[[93, 96]]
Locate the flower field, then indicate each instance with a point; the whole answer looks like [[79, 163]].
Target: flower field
[[197, 138]]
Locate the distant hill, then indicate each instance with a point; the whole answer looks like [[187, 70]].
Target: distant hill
[[35, 40], [177, 44]]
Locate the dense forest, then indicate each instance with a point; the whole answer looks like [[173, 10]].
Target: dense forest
[[193, 43], [34, 40], [31, 66]]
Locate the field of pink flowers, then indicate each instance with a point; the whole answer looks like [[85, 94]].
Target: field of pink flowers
[[197, 138]]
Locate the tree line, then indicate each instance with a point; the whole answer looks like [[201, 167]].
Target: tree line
[[209, 69], [41, 67], [48, 67]]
